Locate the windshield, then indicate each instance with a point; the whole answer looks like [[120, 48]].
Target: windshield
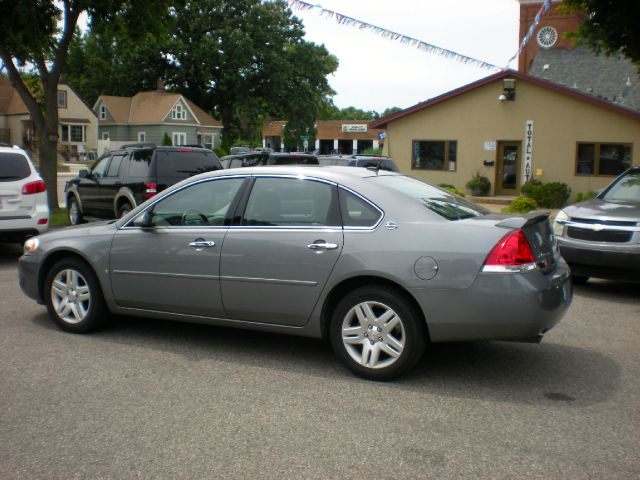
[[625, 189], [451, 207]]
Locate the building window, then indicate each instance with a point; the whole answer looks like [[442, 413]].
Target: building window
[[435, 155], [62, 99], [72, 133], [179, 138], [142, 137], [105, 135], [179, 112], [607, 159], [103, 112]]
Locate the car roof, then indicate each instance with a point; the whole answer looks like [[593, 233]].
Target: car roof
[[338, 174]]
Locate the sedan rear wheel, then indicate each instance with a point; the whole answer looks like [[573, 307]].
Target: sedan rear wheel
[[73, 296], [377, 334]]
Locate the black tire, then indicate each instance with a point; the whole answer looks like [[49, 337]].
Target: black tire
[[124, 209], [579, 280], [406, 336], [73, 211], [77, 306]]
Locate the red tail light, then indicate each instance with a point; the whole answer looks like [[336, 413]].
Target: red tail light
[[151, 190], [511, 254], [34, 187]]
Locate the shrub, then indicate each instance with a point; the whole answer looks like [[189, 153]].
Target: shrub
[[479, 184], [547, 195], [166, 140], [521, 205], [451, 188], [372, 151]]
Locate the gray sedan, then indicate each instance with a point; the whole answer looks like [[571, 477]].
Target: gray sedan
[[380, 263]]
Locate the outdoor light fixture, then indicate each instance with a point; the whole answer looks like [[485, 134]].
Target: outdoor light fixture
[[509, 90]]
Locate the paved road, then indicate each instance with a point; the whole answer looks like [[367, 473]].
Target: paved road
[[152, 399]]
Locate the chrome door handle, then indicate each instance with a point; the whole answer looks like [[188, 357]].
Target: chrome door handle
[[322, 245], [202, 244]]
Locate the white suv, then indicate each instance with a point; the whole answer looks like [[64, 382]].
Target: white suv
[[23, 196]]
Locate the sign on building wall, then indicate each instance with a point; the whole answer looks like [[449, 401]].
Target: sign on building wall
[[354, 128], [490, 146], [528, 149]]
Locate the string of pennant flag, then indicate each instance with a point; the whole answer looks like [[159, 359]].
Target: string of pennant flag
[[345, 20]]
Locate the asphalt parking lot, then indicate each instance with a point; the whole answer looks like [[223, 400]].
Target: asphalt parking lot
[[153, 399]]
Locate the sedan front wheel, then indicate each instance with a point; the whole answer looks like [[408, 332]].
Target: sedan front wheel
[[73, 296], [376, 333]]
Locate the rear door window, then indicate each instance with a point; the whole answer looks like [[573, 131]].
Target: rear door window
[[13, 167], [291, 202], [140, 164]]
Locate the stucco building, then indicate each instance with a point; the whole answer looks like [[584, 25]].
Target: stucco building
[[574, 118]]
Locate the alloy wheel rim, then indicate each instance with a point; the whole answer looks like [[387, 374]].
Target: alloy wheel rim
[[74, 213], [70, 296], [373, 335]]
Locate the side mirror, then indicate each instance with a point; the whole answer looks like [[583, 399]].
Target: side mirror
[[83, 173], [145, 220]]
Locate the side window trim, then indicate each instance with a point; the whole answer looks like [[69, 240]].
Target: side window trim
[[364, 199]]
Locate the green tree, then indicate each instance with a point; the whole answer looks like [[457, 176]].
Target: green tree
[[36, 35], [609, 26], [247, 61], [112, 59]]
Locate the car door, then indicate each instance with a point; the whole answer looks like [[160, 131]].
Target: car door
[[89, 187], [110, 184], [275, 264], [167, 258]]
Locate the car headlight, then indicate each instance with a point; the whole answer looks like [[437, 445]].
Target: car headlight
[[31, 245], [558, 223]]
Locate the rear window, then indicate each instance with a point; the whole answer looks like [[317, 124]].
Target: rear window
[[13, 167], [445, 204], [185, 163]]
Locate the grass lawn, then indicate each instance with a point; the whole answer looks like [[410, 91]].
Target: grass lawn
[[59, 218]]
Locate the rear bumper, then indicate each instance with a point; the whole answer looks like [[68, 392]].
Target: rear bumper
[[610, 261], [512, 307], [21, 227]]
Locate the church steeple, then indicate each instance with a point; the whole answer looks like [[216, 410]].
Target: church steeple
[[548, 34]]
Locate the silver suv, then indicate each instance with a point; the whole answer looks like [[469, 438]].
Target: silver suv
[[23, 196]]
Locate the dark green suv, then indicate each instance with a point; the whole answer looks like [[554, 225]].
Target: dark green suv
[[122, 179]]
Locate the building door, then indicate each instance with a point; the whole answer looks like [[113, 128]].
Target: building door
[[508, 168]]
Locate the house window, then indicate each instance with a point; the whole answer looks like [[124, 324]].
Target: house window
[[179, 138], [105, 135], [62, 99], [179, 112], [72, 133], [435, 155], [602, 158], [103, 112], [142, 137]]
